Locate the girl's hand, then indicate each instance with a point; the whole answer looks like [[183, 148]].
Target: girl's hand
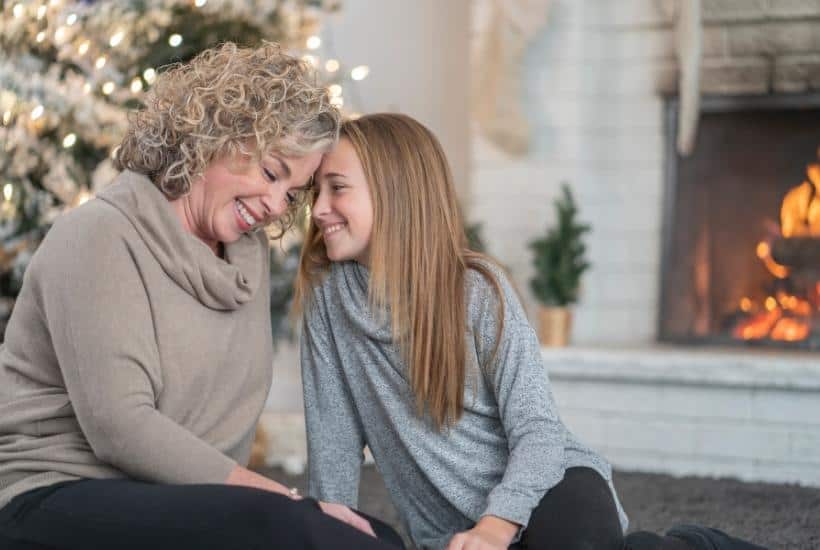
[[490, 533], [346, 515]]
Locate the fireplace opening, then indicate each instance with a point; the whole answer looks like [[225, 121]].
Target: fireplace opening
[[741, 244]]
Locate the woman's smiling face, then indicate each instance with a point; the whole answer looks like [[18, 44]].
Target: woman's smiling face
[[239, 193]]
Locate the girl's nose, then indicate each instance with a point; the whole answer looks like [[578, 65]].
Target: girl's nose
[[322, 205]]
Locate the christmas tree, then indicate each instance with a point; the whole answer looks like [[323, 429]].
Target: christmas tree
[[560, 256], [71, 70]]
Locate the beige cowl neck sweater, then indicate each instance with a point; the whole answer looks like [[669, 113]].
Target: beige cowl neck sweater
[[133, 350]]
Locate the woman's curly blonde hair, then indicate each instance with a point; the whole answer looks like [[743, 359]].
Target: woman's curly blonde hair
[[218, 103]]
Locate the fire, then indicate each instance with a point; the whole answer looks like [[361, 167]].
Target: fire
[[800, 212], [785, 316], [757, 326], [790, 330]]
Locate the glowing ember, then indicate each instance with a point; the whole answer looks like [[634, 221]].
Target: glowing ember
[[757, 326], [790, 330]]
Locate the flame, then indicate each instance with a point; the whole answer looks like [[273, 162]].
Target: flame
[[800, 211], [764, 252], [793, 304]]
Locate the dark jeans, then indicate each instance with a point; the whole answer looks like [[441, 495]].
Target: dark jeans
[[577, 514], [126, 515]]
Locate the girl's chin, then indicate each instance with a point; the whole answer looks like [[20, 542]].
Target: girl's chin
[[337, 256]]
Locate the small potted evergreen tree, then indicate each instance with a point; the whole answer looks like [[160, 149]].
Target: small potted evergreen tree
[[560, 260]]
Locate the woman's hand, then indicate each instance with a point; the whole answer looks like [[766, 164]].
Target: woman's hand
[[346, 515], [490, 533]]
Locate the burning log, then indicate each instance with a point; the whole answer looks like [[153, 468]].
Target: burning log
[[798, 253]]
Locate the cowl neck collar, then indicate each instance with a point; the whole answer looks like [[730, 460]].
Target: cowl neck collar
[[222, 284], [350, 281]]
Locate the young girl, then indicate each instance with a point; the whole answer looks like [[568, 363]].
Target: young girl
[[419, 348]]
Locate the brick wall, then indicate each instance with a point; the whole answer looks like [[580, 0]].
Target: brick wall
[[593, 85]]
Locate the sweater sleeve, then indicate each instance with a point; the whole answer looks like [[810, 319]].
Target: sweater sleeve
[[335, 438], [535, 434], [101, 326]]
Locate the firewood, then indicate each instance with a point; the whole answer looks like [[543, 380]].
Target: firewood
[[802, 253]]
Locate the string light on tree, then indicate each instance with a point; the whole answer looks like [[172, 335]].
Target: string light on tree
[[314, 42], [7, 209], [60, 35], [360, 72], [116, 39], [175, 40], [69, 140]]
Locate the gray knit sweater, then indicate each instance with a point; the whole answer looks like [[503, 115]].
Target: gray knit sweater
[[133, 350], [507, 450]]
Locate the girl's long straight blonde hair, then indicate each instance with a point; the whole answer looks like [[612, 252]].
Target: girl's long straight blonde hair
[[418, 257]]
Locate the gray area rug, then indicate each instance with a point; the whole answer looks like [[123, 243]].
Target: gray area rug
[[775, 516]]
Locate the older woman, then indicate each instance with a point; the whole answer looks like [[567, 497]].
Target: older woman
[[137, 359]]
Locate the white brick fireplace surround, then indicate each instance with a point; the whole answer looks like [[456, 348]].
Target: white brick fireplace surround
[[593, 86]]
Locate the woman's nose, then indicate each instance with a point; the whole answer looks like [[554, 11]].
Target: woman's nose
[[273, 204]]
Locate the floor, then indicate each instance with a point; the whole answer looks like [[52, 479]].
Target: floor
[[774, 516]]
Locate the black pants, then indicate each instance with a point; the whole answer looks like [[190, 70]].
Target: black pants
[[577, 514], [123, 514]]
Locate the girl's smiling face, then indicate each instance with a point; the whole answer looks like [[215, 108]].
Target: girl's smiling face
[[343, 210]]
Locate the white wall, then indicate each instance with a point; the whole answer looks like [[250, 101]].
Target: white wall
[[418, 57], [590, 90]]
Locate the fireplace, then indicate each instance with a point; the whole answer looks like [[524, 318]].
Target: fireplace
[[741, 243]]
